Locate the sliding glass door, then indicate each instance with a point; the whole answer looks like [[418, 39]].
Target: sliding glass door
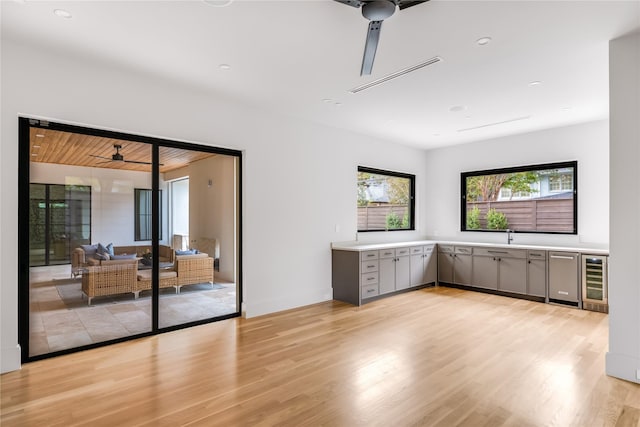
[[104, 260]]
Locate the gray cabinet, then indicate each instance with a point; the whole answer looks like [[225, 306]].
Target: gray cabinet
[[500, 269], [423, 265], [537, 273], [462, 265], [454, 264], [394, 270], [564, 284], [403, 273]]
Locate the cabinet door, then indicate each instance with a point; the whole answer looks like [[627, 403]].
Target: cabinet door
[[512, 275], [537, 278], [387, 275], [403, 278], [417, 269], [445, 267], [485, 272], [430, 266], [462, 267]]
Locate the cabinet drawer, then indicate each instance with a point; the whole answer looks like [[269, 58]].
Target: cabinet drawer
[[538, 255], [446, 249], [369, 291], [429, 249], [369, 279], [369, 266], [463, 250], [387, 253], [368, 255], [403, 251], [501, 252], [416, 250]]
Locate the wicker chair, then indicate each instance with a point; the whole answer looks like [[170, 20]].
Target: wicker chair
[[110, 279], [194, 269]]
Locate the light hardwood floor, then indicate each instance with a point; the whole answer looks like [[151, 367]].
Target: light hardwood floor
[[434, 357]]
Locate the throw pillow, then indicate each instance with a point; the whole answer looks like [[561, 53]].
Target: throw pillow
[[101, 257], [89, 250], [105, 250]]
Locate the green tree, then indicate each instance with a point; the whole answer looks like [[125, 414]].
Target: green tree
[[521, 182], [393, 221]]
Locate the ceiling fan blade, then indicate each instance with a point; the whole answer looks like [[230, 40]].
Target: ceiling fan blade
[[405, 4], [373, 35], [354, 3], [100, 157]]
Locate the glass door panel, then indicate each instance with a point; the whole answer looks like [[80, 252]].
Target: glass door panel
[[85, 286], [202, 207]]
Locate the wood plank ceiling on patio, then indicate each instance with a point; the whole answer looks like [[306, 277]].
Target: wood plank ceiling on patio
[[74, 149]]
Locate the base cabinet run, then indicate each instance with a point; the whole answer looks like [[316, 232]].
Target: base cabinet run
[[361, 276]]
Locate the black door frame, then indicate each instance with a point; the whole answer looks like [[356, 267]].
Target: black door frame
[[24, 159]]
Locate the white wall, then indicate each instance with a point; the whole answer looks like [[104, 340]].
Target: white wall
[[287, 259], [212, 209], [623, 358], [587, 143], [112, 199]]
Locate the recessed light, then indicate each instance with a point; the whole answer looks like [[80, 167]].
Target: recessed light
[[224, 66], [218, 3], [34, 155], [483, 41], [36, 146], [39, 135], [62, 13], [535, 83], [457, 108]]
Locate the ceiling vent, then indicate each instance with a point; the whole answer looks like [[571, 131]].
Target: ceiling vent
[[495, 124], [392, 76]]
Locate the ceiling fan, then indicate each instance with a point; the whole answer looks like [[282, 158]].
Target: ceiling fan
[[117, 157], [376, 11]]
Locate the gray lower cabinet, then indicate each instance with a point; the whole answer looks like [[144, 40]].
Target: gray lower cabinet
[[423, 265], [359, 276], [537, 273], [454, 264], [500, 269]]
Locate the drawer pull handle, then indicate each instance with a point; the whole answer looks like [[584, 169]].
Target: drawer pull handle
[[370, 255], [370, 278], [561, 257], [563, 292], [370, 266], [499, 252]]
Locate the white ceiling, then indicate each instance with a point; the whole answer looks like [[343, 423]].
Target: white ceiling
[[291, 56]]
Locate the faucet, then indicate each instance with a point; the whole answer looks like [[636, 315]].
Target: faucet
[[509, 236]]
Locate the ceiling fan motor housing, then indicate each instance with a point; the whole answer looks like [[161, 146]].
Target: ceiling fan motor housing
[[378, 10]]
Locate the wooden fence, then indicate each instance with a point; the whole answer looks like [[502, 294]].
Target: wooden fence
[[531, 215], [375, 217]]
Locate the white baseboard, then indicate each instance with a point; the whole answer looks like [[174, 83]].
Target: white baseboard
[[10, 359]]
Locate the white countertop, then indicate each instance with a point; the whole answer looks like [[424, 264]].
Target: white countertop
[[359, 246]]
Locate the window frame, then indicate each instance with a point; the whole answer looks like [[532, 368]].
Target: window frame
[[137, 214], [412, 196], [515, 169]]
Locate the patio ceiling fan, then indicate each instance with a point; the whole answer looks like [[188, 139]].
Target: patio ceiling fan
[[376, 11], [117, 157]]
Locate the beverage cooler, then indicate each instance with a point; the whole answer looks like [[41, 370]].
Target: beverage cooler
[[594, 283]]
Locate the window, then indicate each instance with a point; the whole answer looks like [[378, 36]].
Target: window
[[143, 215], [530, 199], [386, 200]]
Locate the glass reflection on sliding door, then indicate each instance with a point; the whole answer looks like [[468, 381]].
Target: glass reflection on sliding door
[[201, 228]]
